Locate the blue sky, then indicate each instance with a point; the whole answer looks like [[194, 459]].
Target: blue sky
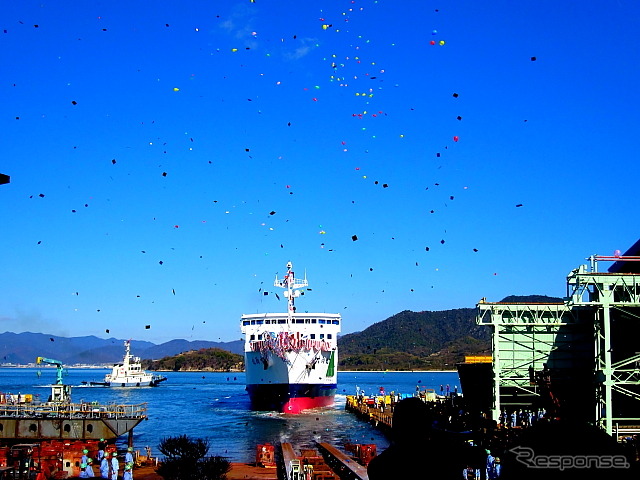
[[225, 139]]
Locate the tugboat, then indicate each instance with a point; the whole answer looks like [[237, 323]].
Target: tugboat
[[291, 358], [129, 373]]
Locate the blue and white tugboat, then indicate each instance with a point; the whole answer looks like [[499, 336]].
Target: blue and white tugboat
[[291, 358], [129, 373]]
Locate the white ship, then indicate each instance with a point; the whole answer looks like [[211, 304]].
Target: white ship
[[291, 358], [129, 373]]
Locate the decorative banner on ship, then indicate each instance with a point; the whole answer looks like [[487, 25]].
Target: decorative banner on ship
[[283, 342]]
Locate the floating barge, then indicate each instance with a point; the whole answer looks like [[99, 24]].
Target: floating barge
[[23, 419], [48, 438]]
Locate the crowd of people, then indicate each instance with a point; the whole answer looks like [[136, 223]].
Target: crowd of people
[[454, 441], [108, 463]]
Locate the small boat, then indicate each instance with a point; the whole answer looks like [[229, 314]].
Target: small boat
[[129, 373]]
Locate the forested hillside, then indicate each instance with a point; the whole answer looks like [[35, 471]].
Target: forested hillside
[[422, 340], [205, 359]]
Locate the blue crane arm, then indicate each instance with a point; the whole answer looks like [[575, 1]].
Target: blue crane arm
[[57, 363]]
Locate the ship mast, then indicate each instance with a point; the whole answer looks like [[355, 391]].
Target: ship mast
[[127, 354], [291, 286]]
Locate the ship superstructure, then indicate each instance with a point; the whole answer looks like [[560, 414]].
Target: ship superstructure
[[291, 358]]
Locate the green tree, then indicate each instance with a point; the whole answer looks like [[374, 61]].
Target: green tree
[[186, 459]]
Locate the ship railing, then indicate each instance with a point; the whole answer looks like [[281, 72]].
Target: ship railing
[[73, 410]]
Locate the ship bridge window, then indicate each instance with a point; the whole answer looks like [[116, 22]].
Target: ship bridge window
[[246, 322], [258, 322], [253, 337], [308, 320], [282, 321], [300, 320], [313, 320], [329, 336], [322, 321], [321, 336], [335, 322], [313, 336], [267, 322], [260, 337], [253, 322]]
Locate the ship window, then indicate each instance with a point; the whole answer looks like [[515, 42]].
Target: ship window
[[313, 320], [246, 322], [335, 322], [89, 428], [282, 321], [253, 337], [267, 322], [313, 336], [329, 336], [321, 321], [33, 427], [67, 428], [308, 320], [300, 320], [253, 322], [260, 337], [259, 322], [321, 336]]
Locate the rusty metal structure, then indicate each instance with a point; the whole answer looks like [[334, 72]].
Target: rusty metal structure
[[24, 419]]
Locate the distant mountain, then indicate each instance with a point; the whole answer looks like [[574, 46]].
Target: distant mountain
[[406, 341], [178, 346], [23, 348], [531, 299]]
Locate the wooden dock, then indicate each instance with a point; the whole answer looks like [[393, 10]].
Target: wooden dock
[[381, 418]]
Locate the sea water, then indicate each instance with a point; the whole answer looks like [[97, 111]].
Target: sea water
[[215, 407]]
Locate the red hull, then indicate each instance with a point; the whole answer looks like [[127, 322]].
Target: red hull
[[296, 405], [290, 397]]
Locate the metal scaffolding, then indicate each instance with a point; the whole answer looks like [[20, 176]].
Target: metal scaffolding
[[587, 356], [615, 298], [529, 338]]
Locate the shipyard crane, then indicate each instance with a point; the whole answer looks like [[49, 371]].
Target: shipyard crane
[[58, 365]]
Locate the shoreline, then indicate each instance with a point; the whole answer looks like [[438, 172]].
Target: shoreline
[[397, 371], [94, 367]]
